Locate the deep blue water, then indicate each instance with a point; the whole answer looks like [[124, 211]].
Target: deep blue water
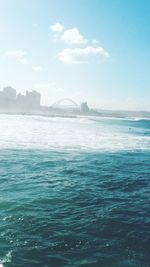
[[74, 209]]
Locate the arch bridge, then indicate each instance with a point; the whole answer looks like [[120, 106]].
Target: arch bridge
[[65, 103]]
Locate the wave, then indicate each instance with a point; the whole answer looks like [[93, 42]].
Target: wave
[[36, 132], [141, 119], [6, 259]]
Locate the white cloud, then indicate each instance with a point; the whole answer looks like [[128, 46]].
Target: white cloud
[[37, 68], [18, 55], [94, 41], [23, 60], [57, 27], [73, 36], [80, 55]]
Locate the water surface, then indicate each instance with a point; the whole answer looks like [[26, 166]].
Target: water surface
[[74, 192]]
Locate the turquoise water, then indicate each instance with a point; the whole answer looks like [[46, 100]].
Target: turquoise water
[[74, 192]]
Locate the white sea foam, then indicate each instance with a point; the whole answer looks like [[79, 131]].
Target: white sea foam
[[37, 132], [7, 258]]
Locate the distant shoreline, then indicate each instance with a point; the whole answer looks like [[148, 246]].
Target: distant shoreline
[[38, 114], [103, 114]]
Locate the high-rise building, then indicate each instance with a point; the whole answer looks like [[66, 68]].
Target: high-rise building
[[10, 101], [84, 107], [9, 93], [33, 99], [7, 97]]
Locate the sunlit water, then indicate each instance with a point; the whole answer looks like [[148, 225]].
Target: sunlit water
[[74, 192]]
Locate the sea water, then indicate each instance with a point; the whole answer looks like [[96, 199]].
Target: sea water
[[74, 192]]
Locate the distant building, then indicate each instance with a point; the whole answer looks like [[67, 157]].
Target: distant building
[[33, 99], [9, 93], [84, 107], [9, 100], [21, 101], [7, 97]]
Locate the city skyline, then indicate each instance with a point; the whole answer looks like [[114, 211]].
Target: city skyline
[[11, 100], [85, 50]]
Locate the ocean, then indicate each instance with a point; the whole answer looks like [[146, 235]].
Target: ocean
[[74, 192]]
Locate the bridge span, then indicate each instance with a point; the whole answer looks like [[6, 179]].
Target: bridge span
[[65, 103]]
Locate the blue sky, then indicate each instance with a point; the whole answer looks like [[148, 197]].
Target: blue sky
[[93, 50]]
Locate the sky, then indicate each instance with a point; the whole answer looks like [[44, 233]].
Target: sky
[[87, 50]]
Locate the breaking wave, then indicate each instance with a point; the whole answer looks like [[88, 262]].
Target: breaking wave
[[85, 133]]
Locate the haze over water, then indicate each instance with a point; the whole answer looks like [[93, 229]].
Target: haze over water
[[74, 192]]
